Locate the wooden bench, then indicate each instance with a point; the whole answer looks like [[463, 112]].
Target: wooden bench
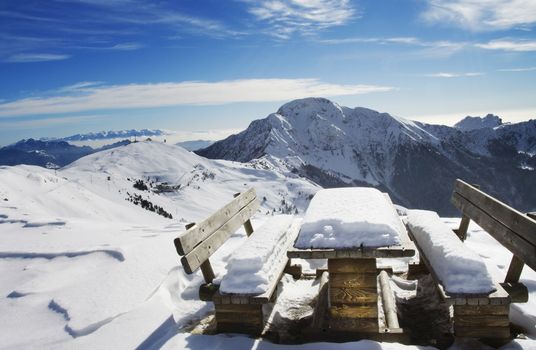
[[486, 316], [237, 313]]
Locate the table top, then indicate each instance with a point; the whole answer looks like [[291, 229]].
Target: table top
[[405, 249]]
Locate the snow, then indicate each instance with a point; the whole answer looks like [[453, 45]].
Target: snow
[[256, 262], [459, 269], [84, 269], [349, 218]]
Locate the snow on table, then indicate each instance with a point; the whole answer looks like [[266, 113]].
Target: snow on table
[[459, 269], [255, 263], [349, 218]]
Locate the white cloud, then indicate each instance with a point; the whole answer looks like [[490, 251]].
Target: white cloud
[[509, 45], [482, 15], [47, 122], [453, 75], [89, 97], [523, 69], [286, 17], [35, 57]]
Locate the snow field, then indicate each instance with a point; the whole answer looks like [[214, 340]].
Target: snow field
[[349, 218], [459, 268]]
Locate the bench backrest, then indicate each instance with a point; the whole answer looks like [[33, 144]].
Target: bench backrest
[[513, 229], [201, 240]]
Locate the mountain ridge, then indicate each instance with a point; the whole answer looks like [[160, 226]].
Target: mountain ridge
[[415, 162]]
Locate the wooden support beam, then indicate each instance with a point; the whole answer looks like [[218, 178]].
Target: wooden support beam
[[208, 272], [514, 271], [321, 306], [247, 225], [518, 292], [389, 304], [461, 232]]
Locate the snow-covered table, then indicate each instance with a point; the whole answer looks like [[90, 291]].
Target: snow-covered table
[[351, 227]]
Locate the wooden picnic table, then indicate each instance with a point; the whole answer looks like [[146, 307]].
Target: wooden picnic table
[[353, 283]]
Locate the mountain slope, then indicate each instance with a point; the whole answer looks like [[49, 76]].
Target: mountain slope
[[415, 162]]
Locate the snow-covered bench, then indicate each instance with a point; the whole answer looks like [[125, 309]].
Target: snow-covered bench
[[254, 269], [480, 304]]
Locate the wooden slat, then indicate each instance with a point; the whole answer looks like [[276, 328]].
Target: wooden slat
[[196, 234], [516, 221], [518, 292], [351, 311], [321, 306], [354, 324], [482, 310], [352, 280], [481, 320], [351, 265], [516, 244], [338, 296], [514, 270], [357, 253], [205, 249], [482, 332]]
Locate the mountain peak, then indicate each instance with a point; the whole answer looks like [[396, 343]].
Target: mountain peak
[[472, 123]]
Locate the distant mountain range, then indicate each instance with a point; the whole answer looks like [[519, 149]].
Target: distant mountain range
[[106, 135], [416, 163], [49, 154]]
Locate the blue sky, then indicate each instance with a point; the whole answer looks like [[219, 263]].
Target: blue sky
[[70, 66]]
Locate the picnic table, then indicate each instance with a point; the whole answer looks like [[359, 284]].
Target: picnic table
[[352, 228]]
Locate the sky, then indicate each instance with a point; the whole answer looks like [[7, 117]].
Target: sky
[[210, 67]]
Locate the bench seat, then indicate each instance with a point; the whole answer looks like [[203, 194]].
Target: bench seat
[[480, 313]]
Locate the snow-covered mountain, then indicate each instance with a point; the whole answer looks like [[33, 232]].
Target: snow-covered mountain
[[416, 163], [50, 154], [106, 135], [471, 123]]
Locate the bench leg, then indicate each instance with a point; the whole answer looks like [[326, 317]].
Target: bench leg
[[243, 318], [482, 321], [353, 295]]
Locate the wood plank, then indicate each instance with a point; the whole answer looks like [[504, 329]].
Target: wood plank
[[321, 306], [205, 249], [461, 232], [532, 215], [230, 308], [354, 311], [354, 324], [352, 280], [400, 251], [351, 265], [388, 301], [514, 270], [517, 291], [199, 232], [482, 310], [516, 244], [482, 332], [338, 296], [244, 328], [481, 321], [516, 221], [208, 273]]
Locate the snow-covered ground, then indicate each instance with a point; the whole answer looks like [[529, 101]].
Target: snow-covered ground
[[82, 267]]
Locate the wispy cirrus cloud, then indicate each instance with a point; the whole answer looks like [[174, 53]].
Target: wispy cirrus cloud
[[35, 57], [453, 75], [286, 17], [521, 69], [481, 15], [518, 45], [89, 96]]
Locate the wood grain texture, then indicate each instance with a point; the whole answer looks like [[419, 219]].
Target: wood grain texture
[[350, 311], [516, 221], [514, 270], [482, 332], [200, 231], [351, 265], [193, 260], [481, 321], [348, 296], [520, 247], [319, 315], [352, 280], [354, 324], [481, 310]]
